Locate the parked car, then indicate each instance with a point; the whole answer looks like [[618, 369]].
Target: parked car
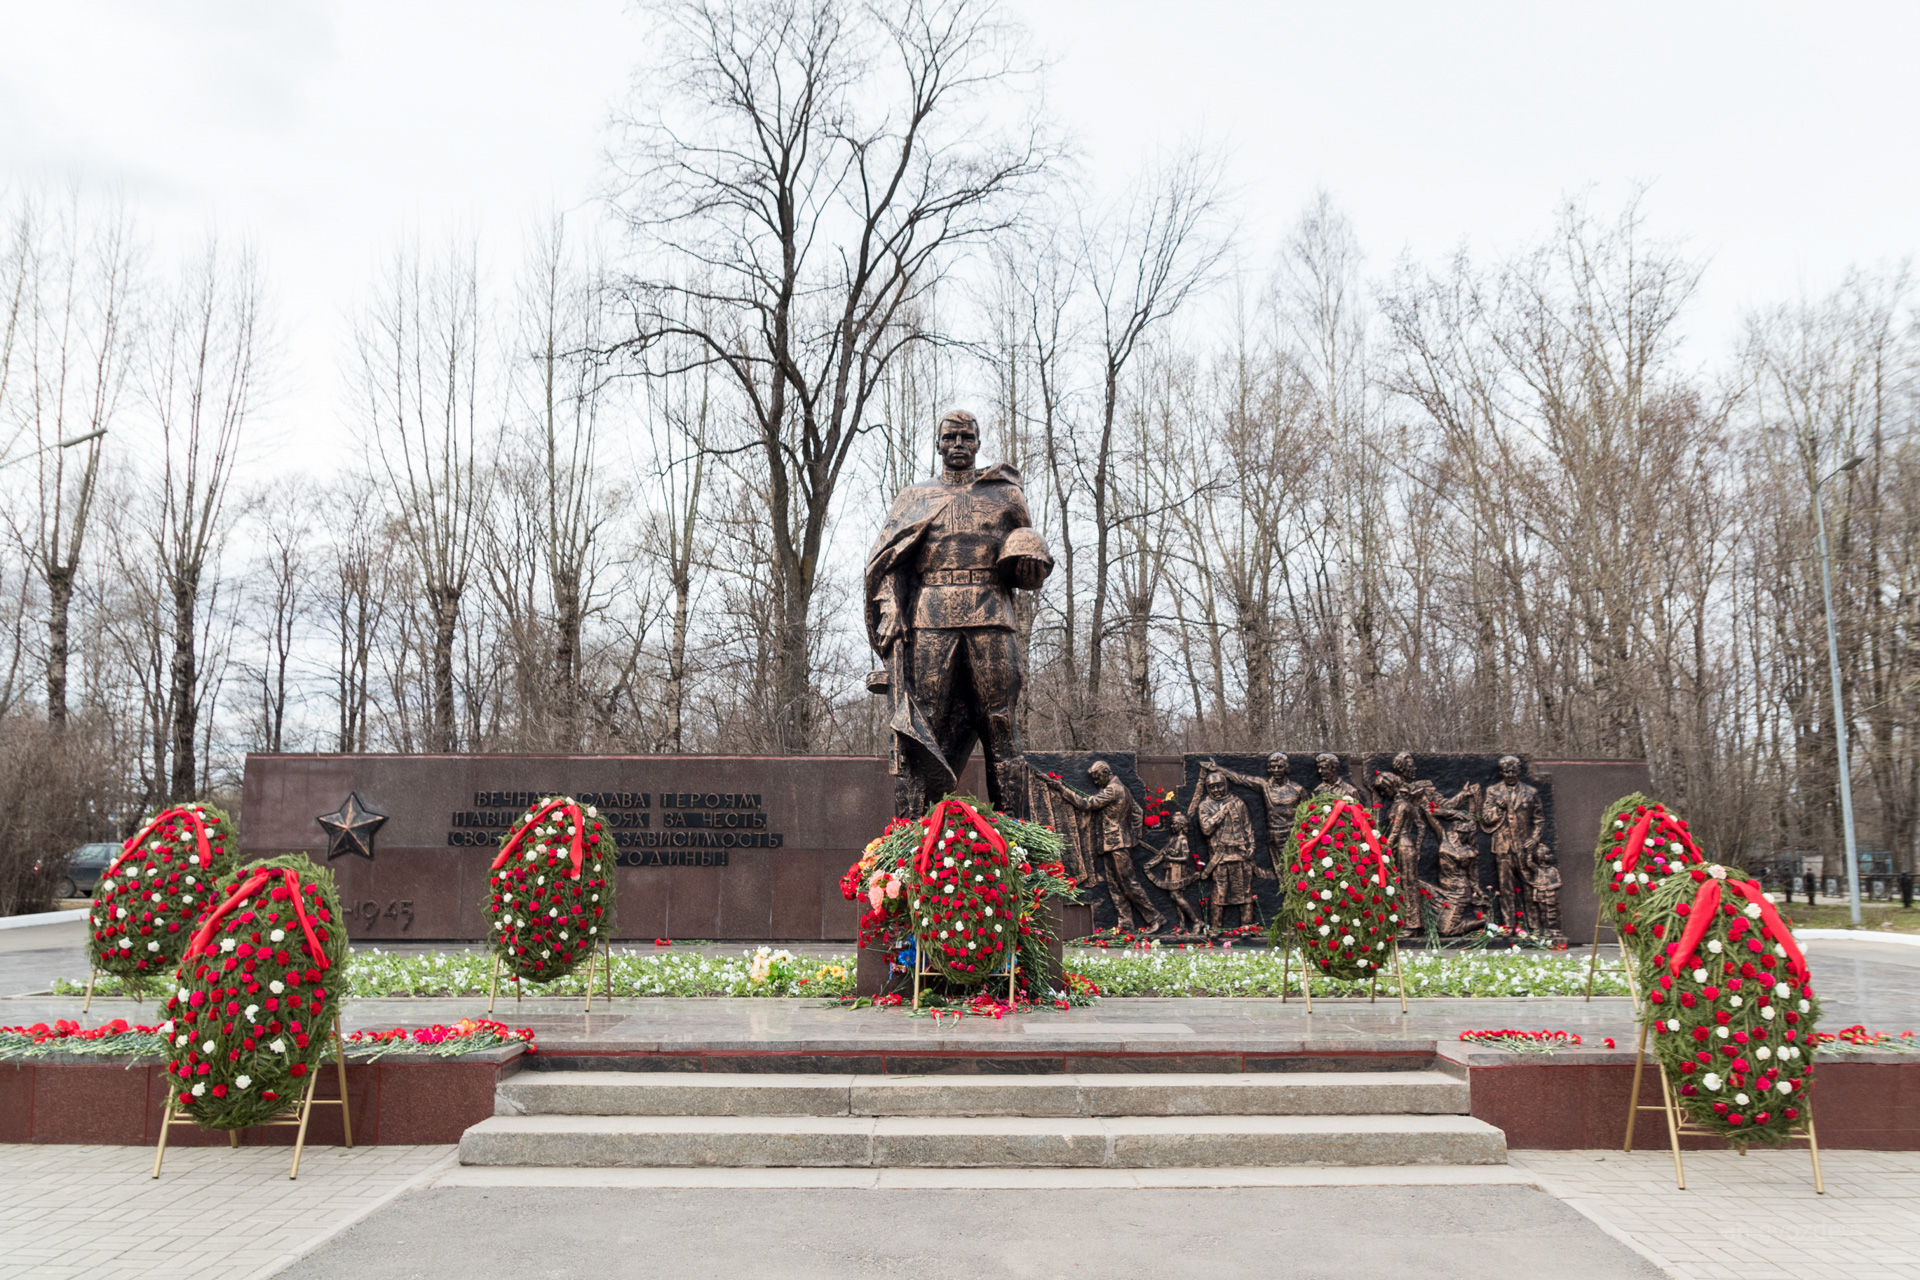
[[85, 866]]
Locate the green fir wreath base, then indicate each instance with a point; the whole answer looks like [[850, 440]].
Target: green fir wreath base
[[285, 1072]]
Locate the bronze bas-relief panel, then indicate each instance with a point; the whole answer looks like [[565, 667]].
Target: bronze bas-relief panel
[[711, 846]]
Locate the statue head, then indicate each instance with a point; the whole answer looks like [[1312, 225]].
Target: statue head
[[1179, 821], [1403, 764], [1387, 783], [1101, 772], [1216, 785], [1510, 768], [958, 440], [1277, 766], [1329, 766]]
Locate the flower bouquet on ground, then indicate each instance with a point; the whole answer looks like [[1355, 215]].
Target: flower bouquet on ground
[[1730, 1004], [469, 1035], [1341, 905], [962, 889], [256, 993], [550, 893], [1641, 844], [149, 898]]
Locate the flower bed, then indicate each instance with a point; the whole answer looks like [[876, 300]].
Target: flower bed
[[469, 1035], [1158, 970], [1542, 1041]]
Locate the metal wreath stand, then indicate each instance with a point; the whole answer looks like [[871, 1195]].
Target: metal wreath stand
[[1678, 1125], [298, 1117], [603, 952], [920, 967]]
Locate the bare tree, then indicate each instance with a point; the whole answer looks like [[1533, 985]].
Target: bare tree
[[203, 387], [816, 170], [1143, 264], [419, 348], [73, 299]]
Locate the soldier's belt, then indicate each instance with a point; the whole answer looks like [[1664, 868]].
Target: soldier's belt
[[958, 577]]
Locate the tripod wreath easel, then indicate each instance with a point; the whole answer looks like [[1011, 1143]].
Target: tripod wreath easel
[[299, 1116], [602, 953], [1306, 977], [920, 967], [1678, 1126]]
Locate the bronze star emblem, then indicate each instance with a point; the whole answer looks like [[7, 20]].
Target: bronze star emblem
[[350, 828]]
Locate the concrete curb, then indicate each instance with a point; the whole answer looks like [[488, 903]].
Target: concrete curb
[[1858, 935], [38, 918]]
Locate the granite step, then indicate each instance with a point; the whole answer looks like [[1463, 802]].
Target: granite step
[[1113, 1142], [623, 1093]]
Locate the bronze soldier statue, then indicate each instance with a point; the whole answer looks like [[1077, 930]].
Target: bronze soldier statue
[[1229, 832], [1511, 812], [940, 585], [1116, 833], [1279, 796], [1177, 857]]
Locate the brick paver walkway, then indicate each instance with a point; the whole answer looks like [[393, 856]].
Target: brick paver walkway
[[94, 1213], [1752, 1217]]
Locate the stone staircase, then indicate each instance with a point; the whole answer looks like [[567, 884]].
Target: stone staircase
[[1119, 1121]]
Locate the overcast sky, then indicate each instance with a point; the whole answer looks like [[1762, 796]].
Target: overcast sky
[[1778, 139]]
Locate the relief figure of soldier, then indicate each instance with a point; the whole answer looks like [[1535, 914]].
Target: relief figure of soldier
[[1278, 794], [1224, 822], [1511, 812], [1116, 833], [939, 611]]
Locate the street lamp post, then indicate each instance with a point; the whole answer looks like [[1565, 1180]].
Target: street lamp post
[[68, 443], [1833, 664]]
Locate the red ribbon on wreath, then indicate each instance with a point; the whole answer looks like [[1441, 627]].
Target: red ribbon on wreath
[[1638, 838], [938, 818], [133, 842], [203, 937], [1366, 833], [1706, 901], [578, 848]]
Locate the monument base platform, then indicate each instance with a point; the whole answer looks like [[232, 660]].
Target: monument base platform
[[1572, 1099]]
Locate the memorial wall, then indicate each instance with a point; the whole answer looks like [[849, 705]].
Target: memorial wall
[[752, 847]]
